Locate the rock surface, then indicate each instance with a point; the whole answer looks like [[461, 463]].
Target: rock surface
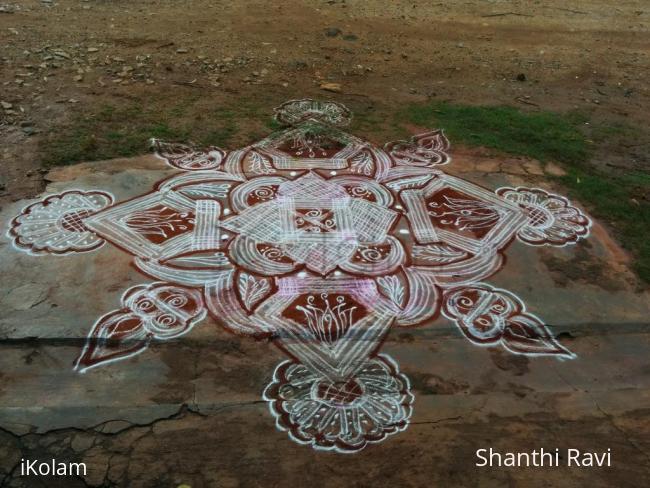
[[190, 410]]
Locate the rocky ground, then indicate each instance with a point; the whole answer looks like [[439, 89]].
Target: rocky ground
[[190, 413], [64, 59]]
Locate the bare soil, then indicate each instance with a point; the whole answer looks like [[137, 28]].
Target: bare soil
[[60, 59]]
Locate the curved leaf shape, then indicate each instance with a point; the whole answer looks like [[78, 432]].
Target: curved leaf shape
[[527, 334], [114, 336]]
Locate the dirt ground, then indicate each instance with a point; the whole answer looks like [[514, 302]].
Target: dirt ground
[[63, 58], [204, 424]]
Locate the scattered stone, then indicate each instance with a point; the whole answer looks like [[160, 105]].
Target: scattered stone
[[350, 37], [182, 50], [92, 49], [333, 31], [513, 166], [554, 170], [487, 166], [298, 65], [82, 442], [6, 105], [78, 78], [533, 168], [332, 87], [521, 77]]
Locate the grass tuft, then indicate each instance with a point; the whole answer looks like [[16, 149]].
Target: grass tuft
[[125, 131], [545, 136]]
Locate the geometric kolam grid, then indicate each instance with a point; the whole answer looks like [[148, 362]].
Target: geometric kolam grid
[[321, 243]]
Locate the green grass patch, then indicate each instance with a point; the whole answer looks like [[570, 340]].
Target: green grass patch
[[546, 136], [124, 131], [618, 197]]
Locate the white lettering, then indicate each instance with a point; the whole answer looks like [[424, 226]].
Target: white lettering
[[525, 456], [481, 457], [46, 467], [572, 455], [78, 466], [36, 468], [30, 467], [541, 458]]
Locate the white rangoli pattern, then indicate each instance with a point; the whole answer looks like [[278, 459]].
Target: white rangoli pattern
[[56, 224], [320, 242]]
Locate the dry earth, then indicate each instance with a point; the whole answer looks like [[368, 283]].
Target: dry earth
[[63, 58]]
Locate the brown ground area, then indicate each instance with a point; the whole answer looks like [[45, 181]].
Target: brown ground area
[[60, 59]]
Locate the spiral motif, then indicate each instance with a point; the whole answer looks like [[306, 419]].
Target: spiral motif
[[371, 255], [359, 191], [264, 193], [464, 302], [144, 305], [177, 301], [272, 253], [165, 320], [498, 308]]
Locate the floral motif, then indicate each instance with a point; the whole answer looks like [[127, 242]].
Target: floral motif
[[428, 150], [295, 111], [342, 415], [465, 214], [187, 157], [552, 219], [56, 223]]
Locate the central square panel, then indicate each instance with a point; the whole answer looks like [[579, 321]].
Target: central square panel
[[308, 221]]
